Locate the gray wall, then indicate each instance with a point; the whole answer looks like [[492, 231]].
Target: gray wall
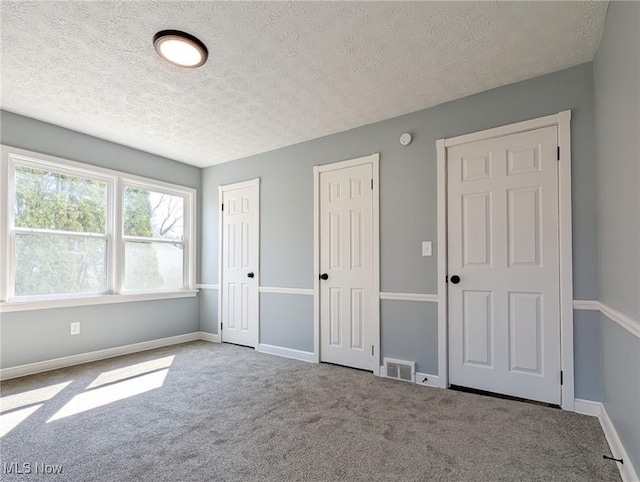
[[209, 310], [407, 186], [32, 336], [621, 384], [587, 345], [617, 101], [291, 327], [410, 332]]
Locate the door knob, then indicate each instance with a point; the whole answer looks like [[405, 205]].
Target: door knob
[[250, 275], [455, 279], [324, 276]]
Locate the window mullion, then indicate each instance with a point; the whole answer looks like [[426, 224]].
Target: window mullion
[[189, 272], [117, 264], [142, 239], [54, 232], [4, 226], [9, 250], [12, 266]]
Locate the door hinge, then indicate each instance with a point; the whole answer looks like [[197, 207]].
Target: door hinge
[[223, 206], [558, 152], [372, 353], [561, 377], [220, 326], [372, 184]]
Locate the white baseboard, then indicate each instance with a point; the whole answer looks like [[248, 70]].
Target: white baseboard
[[213, 338], [306, 356], [596, 409], [428, 380], [627, 471], [67, 361], [588, 407], [424, 379]]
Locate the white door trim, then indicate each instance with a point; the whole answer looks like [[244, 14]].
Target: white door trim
[[374, 160], [563, 121], [221, 189]]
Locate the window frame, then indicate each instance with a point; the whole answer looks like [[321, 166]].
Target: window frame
[[116, 182], [187, 235], [29, 162]]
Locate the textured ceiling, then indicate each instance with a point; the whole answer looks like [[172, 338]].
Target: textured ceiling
[[278, 73]]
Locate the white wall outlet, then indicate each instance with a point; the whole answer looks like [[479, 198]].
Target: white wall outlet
[[75, 328], [426, 248]]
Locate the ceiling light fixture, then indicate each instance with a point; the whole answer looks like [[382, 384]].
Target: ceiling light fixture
[[180, 48]]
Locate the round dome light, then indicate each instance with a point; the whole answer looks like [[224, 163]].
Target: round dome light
[[180, 48]]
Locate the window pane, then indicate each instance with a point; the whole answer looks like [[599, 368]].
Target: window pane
[[153, 214], [153, 266], [49, 264], [50, 200]]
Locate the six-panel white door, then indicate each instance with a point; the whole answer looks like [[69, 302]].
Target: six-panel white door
[[239, 296], [346, 258], [504, 320]]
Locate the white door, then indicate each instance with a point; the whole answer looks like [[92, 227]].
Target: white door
[[239, 286], [346, 260], [504, 313]]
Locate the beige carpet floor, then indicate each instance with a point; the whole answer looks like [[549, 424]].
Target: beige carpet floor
[[202, 411]]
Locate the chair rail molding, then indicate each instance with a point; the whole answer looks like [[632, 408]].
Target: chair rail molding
[[626, 322], [430, 298], [285, 291], [205, 286]]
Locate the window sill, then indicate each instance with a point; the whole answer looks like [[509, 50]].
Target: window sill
[[28, 305]]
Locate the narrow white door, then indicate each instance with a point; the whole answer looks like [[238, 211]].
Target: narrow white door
[[346, 264], [503, 265], [239, 295]]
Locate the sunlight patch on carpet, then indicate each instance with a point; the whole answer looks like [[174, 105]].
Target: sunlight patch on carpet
[[11, 420], [132, 371], [111, 393], [30, 397]]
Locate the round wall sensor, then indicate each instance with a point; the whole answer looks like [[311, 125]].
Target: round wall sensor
[[405, 139]]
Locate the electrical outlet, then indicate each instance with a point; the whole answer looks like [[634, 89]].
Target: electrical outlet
[[75, 328], [426, 248]]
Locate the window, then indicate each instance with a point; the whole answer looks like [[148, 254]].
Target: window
[[59, 237], [153, 239], [73, 232]]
